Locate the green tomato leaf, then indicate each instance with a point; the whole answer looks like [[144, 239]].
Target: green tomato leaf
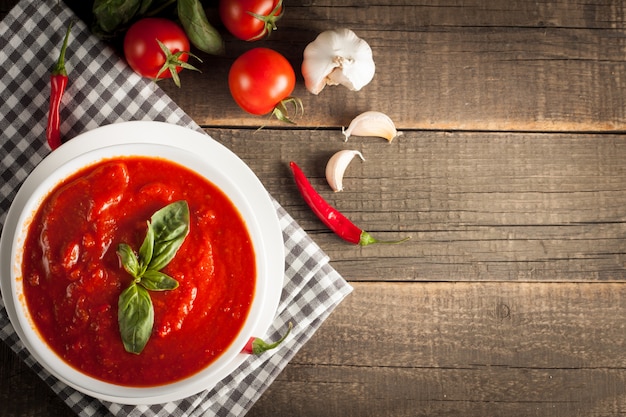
[[129, 260], [197, 27], [135, 318], [158, 281], [111, 14], [170, 226]]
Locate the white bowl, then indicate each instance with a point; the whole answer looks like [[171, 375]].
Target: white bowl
[[188, 148]]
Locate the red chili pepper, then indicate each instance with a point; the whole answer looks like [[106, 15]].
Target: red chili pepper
[[58, 82], [331, 217], [256, 346]]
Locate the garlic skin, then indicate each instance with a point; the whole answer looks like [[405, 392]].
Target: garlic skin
[[336, 167], [337, 57], [372, 123]]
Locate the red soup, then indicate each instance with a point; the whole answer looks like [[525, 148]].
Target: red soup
[[73, 277]]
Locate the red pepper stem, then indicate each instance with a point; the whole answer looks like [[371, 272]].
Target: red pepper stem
[[256, 346], [59, 68], [367, 239]]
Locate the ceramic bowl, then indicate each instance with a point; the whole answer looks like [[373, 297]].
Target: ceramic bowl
[[193, 150]]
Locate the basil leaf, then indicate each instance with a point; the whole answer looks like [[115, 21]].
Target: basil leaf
[[166, 252], [129, 260], [144, 7], [135, 317], [167, 230], [171, 222], [200, 32], [111, 14], [158, 281], [170, 226], [146, 250]]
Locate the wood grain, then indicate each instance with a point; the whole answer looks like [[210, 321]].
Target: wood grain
[[478, 206], [529, 66], [467, 349], [23, 393]]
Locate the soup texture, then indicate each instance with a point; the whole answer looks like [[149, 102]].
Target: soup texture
[[73, 276]]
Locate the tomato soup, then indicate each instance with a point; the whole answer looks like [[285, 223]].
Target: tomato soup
[[73, 277]]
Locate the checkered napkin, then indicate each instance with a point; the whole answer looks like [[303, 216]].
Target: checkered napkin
[[103, 90]]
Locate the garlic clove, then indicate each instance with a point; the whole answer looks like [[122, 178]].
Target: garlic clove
[[372, 123], [337, 57], [336, 167]]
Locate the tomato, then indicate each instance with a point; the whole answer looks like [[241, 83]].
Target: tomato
[[145, 56], [250, 20], [260, 80]]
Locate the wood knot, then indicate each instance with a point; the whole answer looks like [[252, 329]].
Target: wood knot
[[502, 311]]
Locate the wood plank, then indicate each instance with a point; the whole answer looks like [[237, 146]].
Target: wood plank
[[448, 65], [470, 13], [6, 5], [479, 206], [23, 393], [467, 349], [432, 13]]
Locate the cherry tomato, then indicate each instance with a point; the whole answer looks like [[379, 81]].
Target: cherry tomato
[[250, 20], [145, 56], [260, 80]]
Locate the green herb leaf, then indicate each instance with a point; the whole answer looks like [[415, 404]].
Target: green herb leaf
[[167, 230], [197, 27], [145, 6], [158, 281], [111, 14], [146, 250], [135, 318], [170, 226], [129, 260]]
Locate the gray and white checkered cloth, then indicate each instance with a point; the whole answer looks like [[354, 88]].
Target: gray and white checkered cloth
[[104, 90]]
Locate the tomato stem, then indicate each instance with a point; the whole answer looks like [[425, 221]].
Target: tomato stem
[[282, 113], [173, 61], [269, 21]]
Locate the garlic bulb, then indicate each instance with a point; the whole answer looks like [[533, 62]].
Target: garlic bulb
[[337, 57], [372, 123], [336, 167]]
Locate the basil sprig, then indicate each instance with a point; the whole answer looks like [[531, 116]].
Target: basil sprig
[[167, 230]]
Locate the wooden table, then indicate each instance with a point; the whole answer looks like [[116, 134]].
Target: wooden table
[[510, 176]]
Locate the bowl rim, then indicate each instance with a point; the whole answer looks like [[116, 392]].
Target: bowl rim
[[207, 157]]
